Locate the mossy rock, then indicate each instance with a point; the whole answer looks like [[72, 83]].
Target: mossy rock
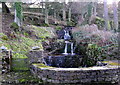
[[112, 63], [41, 65], [14, 26]]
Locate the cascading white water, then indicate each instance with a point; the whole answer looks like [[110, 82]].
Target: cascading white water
[[68, 37], [65, 51], [72, 50]]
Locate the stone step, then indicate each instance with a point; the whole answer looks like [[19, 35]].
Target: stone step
[[0, 66]]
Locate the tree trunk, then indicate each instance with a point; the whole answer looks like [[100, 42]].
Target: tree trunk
[[69, 15], [42, 7], [90, 11], [18, 13], [46, 15], [94, 11], [119, 38], [107, 27], [0, 22], [5, 9], [64, 12], [115, 15], [55, 17]]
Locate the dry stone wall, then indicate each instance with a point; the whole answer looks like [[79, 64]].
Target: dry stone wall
[[77, 75]]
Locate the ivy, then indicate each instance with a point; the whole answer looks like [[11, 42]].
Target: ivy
[[18, 7]]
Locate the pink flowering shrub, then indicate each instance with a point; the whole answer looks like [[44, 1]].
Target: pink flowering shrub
[[90, 34]]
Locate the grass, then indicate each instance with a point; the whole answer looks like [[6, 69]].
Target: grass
[[19, 64]]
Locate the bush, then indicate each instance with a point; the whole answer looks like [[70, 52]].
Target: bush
[[94, 54], [105, 39], [45, 25], [14, 26], [26, 34], [58, 28], [70, 23], [99, 22], [3, 36]]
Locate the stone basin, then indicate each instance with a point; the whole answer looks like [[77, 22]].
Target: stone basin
[[97, 74], [64, 60]]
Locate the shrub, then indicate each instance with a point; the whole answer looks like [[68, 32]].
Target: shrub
[[105, 39], [58, 28], [94, 54], [14, 26], [45, 25], [100, 22], [70, 23], [3, 36], [26, 34]]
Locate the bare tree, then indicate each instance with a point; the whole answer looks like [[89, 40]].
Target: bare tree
[[69, 11], [64, 11], [106, 15], [115, 12], [46, 12], [18, 13]]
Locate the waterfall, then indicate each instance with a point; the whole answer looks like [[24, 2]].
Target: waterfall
[[72, 49], [65, 51], [66, 36], [44, 62], [50, 60]]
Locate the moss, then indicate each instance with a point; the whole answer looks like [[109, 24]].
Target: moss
[[19, 64], [112, 63], [23, 46], [19, 55], [44, 32], [41, 65]]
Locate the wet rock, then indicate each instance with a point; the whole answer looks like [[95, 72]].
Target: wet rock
[[35, 56], [65, 61], [35, 48]]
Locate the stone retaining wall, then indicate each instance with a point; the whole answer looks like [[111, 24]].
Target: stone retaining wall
[[77, 75]]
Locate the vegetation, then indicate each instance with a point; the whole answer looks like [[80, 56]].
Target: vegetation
[[94, 54], [14, 26], [96, 44], [58, 28], [3, 36], [94, 40], [71, 23]]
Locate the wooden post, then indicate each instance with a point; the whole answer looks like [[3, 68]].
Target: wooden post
[[6, 61], [10, 60]]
